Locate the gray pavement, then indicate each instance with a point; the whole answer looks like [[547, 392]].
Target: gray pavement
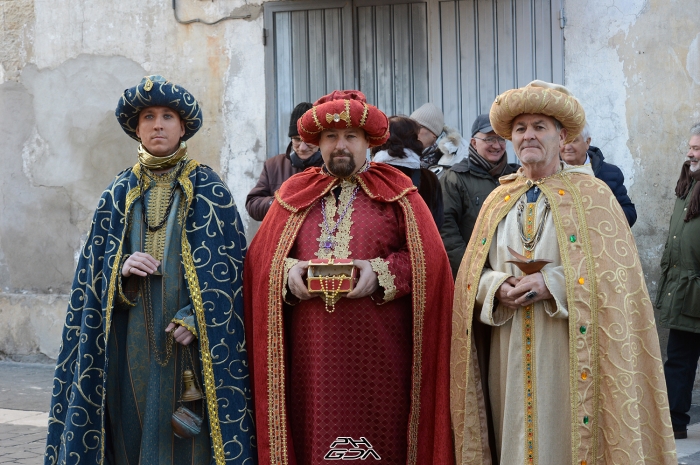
[[25, 396], [25, 393]]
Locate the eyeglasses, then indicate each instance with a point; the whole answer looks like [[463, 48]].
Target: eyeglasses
[[492, 140], [296, 142]]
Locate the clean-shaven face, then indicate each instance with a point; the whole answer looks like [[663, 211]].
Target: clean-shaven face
[[694, 152], [575, 152], [160, 130], [344, 151], [537, 140]]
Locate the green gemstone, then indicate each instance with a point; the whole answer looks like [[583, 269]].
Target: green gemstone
[[572, 238], [585, 420], [483, 241], [582, 329]]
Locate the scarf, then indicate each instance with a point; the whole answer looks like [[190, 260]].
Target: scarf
[[685, 181], [162, 163], [411, 160], [494, 169], [431, 155], [299, 163]]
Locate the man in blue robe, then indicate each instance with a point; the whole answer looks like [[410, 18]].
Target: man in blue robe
[[156, 308]]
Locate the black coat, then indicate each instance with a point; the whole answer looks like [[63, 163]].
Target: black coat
[[613, 177]]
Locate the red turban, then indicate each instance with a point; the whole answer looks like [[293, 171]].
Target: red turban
[[342, 109]]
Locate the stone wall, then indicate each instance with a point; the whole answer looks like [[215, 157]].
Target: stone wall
[[635, 65]]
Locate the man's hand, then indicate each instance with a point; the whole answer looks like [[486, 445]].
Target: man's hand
[[528, 285], [295, 281], [139, 264], [368, 282], [503, 293], [181, 334]]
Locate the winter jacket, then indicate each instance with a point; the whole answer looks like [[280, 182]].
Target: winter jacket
[[464, 188], [678, 296], [425, 180], [429, 189], [275, 171], [613, 177]]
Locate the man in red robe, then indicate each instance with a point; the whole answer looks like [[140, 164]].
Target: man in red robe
[[362, 375]]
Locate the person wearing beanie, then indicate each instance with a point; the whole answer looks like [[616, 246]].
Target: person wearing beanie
[[466, 185], [153, 329], [555, 354], [347, 287], [443, 146], [298, 156]]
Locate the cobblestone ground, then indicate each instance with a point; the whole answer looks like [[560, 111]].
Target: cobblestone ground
[[25, 392]]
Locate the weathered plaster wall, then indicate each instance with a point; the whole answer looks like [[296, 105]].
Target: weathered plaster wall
[[635, 64], [63, 67]]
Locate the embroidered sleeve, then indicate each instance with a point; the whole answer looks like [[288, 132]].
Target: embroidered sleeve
[[127, 288], [185, 317], [287, 297], [386, 279]]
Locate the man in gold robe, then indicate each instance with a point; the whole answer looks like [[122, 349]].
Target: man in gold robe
[[558, 363]]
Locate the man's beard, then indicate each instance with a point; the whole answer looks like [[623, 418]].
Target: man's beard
[[694, 167], [341, 168]]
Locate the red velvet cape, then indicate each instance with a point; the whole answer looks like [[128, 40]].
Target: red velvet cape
[[429, 435]]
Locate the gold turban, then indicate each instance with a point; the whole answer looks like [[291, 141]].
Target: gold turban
[[538, 97]]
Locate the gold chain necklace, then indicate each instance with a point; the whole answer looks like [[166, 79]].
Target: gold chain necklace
[[530, 243], [150, 329]]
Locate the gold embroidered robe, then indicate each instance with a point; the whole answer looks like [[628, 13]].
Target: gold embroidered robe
[[591, 389]]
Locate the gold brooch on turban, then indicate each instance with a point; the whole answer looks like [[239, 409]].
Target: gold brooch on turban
[[344, 109], [538, 97]]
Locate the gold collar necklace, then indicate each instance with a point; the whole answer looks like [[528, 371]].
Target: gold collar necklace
[[161, 163]]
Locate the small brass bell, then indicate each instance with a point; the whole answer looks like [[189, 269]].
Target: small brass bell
[[191, 393]]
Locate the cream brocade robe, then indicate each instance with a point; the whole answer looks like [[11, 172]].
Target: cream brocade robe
[[597, 389], [546, 327]]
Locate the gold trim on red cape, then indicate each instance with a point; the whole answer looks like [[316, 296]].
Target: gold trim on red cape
[[612, 332], [429, 434]]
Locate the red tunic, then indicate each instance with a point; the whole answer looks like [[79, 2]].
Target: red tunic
[[350, 370], [379, 372]]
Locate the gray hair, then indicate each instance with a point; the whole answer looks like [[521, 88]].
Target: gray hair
[[695, 130], [586, 132]]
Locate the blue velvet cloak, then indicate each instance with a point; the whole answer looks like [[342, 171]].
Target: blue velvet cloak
[[213, 248]]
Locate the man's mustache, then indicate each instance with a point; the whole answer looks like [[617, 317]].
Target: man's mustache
[[341, 153]]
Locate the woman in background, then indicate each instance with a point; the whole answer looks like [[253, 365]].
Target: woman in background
[[402, 152]]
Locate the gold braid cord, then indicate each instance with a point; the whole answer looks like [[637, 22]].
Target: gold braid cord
[[415, 248], [276, 408]]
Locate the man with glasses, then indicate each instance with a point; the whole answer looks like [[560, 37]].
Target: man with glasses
[[467, 184], [297, 158]]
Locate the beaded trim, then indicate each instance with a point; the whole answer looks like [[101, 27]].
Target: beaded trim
[[318, 123], [415, 247], [284, 204], [528, 353], [276, 401], [365, 112], [385, 278], [288, 265]]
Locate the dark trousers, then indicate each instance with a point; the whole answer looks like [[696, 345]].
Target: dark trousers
[[683, 352]]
